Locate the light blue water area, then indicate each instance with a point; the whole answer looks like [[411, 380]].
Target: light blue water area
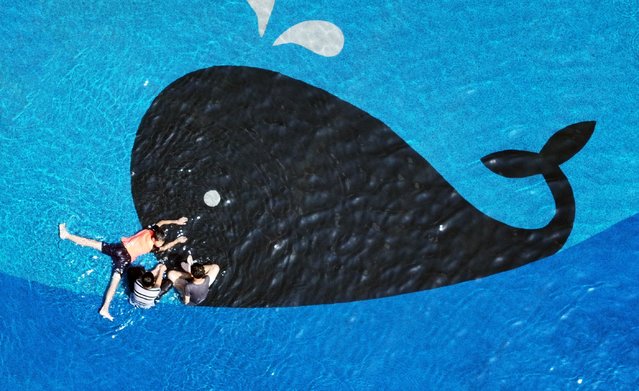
[[561, 323], [456, 80]]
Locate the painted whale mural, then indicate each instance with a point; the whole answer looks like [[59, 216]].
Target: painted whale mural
[[319, 202]]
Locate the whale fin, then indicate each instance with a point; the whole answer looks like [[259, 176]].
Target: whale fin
[[514, 164], [562, 146]]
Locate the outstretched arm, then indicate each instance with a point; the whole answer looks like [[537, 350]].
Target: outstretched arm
[[158, 272], [180, 221], [180, 239]]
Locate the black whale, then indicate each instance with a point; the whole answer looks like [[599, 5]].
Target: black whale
[[321, 202]]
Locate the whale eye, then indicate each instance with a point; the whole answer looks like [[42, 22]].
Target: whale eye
[[212, 198]]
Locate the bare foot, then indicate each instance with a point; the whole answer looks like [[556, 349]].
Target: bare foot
[[105, 314], [64, 234]]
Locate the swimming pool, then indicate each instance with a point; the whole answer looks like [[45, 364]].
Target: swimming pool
[[456, 81]]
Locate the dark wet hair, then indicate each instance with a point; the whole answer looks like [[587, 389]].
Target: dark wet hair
[[147, 279], [197, 270], [158, 232]]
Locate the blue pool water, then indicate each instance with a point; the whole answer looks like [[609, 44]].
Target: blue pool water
[[456, 81], [558, 324]]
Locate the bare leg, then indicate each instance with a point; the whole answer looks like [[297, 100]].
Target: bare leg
[[179, 280], [212, 271], [85, 242], [158, 270], [108, 296]]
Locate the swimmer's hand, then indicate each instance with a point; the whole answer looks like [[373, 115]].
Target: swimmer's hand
[[181, 221], [178, 240]]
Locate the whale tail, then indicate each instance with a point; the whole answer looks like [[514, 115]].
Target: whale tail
[[562, 146], [526, 245], [518, 164]]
